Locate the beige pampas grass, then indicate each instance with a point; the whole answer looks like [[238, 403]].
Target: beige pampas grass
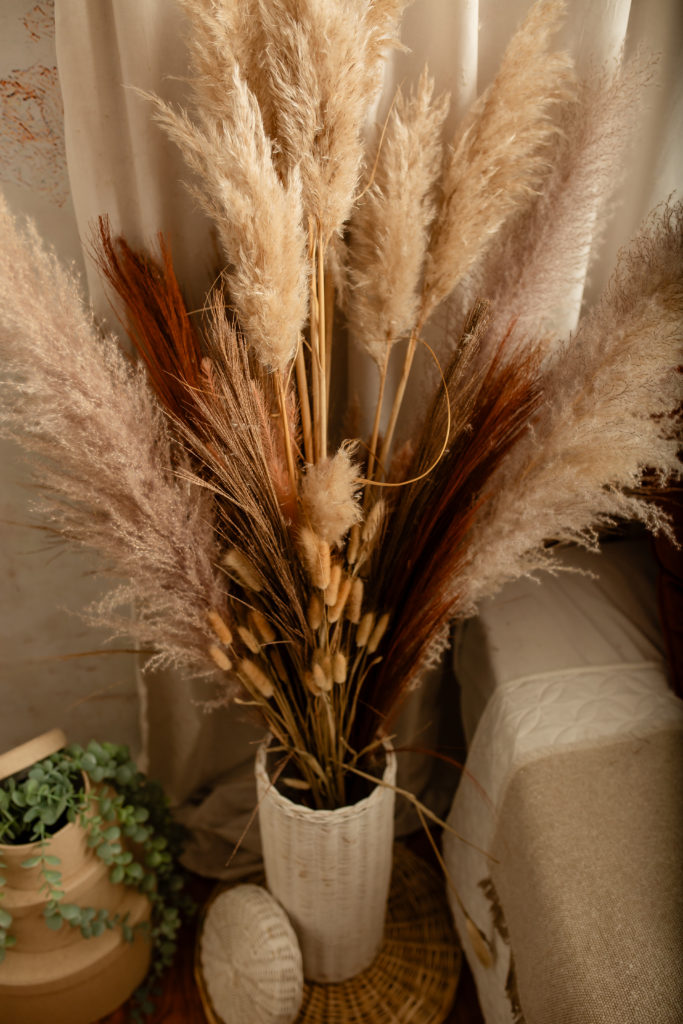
[[104, 460], [323, 64], [612, 397], [329, 496], [536, 272], [267, 273], [499, 153], [390, 225], [222, 35]]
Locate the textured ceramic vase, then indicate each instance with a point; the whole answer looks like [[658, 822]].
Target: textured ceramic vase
[[331, 871], [58, 976]]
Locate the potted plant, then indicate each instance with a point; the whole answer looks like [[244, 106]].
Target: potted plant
[[309, 571], [90, 895]]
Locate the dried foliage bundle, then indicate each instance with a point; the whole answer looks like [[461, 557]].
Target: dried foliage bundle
[[313, 577]]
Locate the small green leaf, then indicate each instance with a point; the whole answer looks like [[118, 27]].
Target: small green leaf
[[105, 853], [116, 875], [49, 859], [125, 775], [88, 762], [53, 921], [71, 913], [113, 832], [98, 928], [106, 806], [5, 918], [10, 940], [31, 862], [135, 872], [53, 877]]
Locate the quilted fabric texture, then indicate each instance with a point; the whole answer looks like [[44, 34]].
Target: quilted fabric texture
[[537, 716]]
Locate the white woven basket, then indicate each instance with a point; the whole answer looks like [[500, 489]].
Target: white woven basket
[[331, 871], [250, 958]]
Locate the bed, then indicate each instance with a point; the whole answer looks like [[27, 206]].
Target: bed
[[569, 811]]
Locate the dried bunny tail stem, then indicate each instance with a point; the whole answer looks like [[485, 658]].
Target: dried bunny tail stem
[[262, 626], [391, 223], [339, 667], [239, 566], [365, 628], [353, 546], [220, 658], [249, 640], [355, 601], [371, 530], [322, 671], [268, 272], [499, 153], [378, 632], [316, 611], [332, 590], [337, 609], [220, 627], [104, 460], [256, 678], [611, 411], [329, 495], [315, 553]]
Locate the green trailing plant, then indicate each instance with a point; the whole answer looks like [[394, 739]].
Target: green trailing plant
[[129, 828]]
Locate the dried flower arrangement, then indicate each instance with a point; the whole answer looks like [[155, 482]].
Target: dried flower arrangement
[[314, 577]]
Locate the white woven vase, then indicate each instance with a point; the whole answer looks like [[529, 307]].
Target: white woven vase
[[331, 871]]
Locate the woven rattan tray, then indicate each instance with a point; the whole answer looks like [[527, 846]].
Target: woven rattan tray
[[415, 974]]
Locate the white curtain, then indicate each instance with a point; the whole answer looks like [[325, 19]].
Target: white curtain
[[120, 164]]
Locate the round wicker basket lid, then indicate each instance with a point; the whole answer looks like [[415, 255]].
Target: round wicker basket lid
[[250, 958], [413, 978]]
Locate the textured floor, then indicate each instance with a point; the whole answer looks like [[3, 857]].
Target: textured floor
[[179, 1002]]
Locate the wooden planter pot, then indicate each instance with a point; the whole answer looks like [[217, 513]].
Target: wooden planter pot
[[60, 977]]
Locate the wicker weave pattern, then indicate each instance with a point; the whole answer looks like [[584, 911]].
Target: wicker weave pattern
[[250, 958], [414, 977], [331, 871]]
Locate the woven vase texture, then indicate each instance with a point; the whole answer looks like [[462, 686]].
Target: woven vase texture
[[331, 872], [414, 977], [250, 958]]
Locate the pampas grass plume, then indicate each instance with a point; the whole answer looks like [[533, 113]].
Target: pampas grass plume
[[329, 496], [498, 155]]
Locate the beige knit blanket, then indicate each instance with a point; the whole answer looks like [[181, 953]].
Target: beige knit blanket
[[590, 876]]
